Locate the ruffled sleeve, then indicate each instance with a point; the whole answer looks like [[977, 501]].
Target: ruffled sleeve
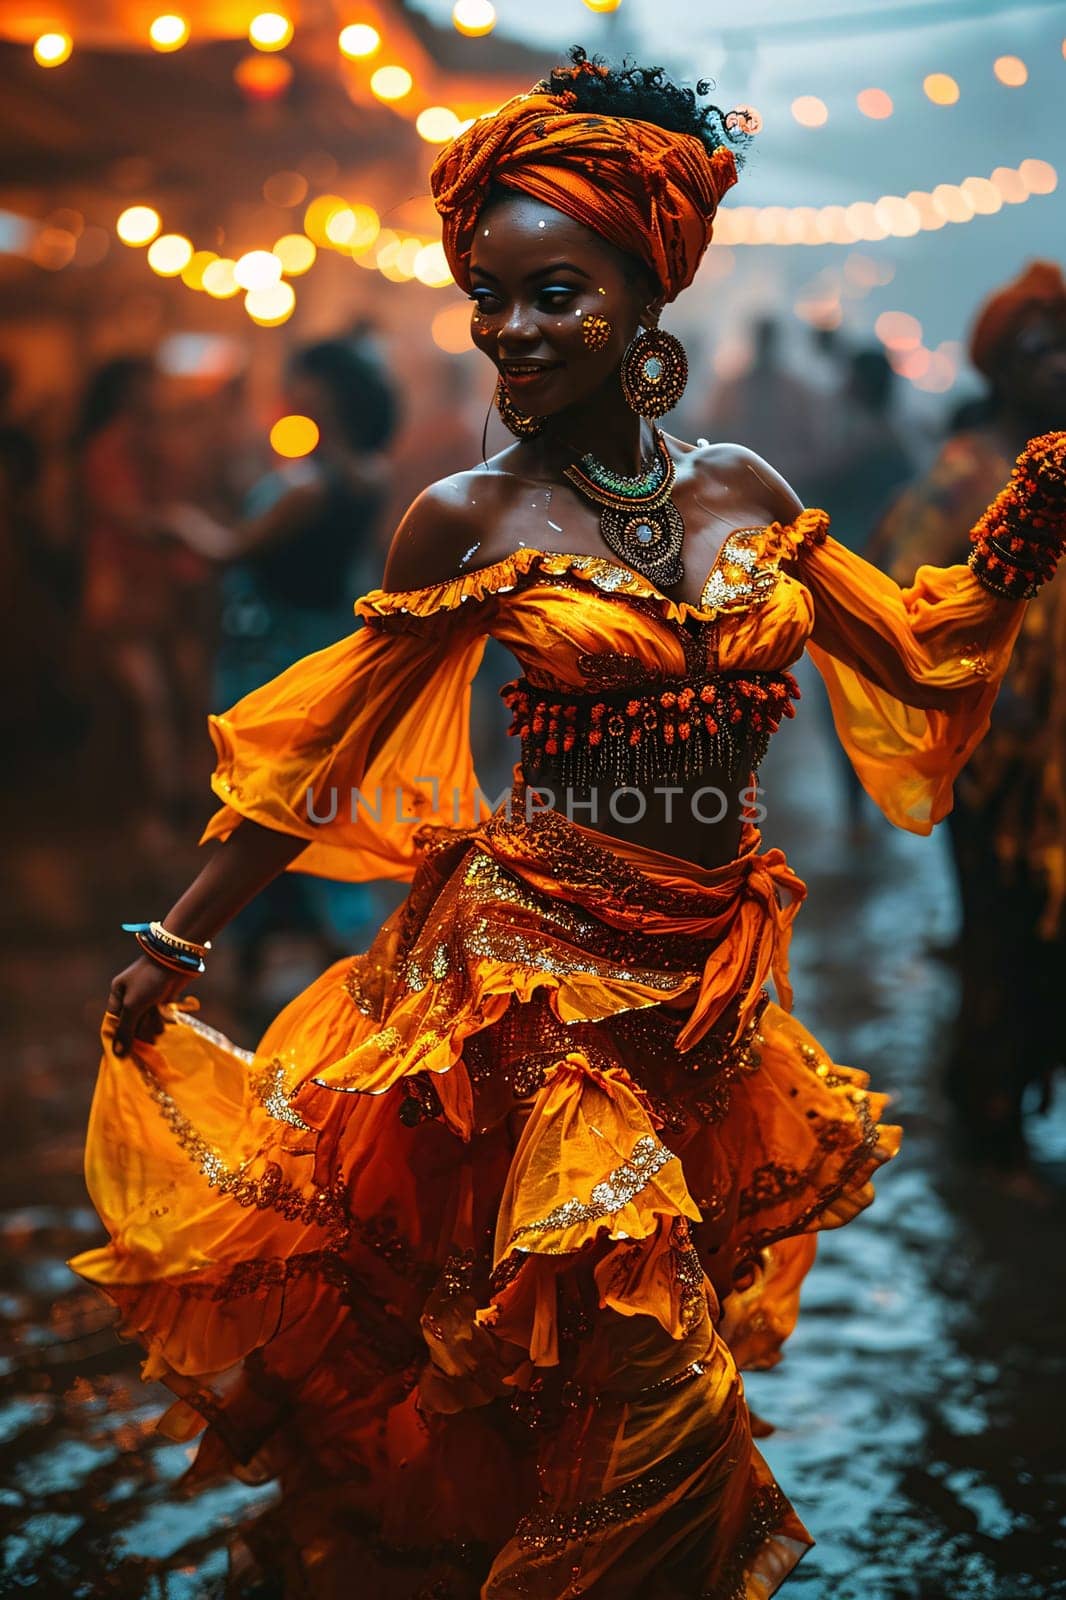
[[353, 747], [912, 673]]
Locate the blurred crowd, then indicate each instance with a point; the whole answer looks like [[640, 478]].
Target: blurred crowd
[[161, 562]]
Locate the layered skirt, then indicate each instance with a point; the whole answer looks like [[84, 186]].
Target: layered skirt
[[469, 1252]]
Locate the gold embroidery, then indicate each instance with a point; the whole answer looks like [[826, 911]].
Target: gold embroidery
[[608, 1196], [269, 1085], [736, 580]]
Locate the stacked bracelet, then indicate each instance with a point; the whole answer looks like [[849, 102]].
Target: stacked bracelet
[[168, 949], [1018, 542]]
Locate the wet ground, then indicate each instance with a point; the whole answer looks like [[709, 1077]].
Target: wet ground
[[919, 1408]]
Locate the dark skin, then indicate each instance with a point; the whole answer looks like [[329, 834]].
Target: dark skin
[[527, 310]]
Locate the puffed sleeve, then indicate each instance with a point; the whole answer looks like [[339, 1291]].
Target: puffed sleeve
[[354, 746], [912, 673]]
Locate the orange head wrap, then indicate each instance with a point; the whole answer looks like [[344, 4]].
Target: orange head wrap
[[650, 192], [1041, 285]]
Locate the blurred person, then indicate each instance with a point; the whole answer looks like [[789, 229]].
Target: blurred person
[[138, 583], [471, 1253], [308, 541], [771, 409], [1008, 827]]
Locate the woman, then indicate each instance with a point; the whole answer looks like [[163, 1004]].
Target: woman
[[471, 1250]]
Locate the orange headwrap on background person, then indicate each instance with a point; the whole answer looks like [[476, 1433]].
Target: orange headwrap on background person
[[651, 192], [1039, 287]]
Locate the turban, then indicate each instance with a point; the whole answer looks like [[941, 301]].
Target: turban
[[1041, 286], [650, 192]]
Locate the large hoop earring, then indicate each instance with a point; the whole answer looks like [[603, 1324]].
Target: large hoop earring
[[522, 426], [654, 373]]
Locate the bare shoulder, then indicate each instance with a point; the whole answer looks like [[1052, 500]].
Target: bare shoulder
[[440, 529], [752, 479]]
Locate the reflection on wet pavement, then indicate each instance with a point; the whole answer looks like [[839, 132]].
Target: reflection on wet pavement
[[916, 1411]]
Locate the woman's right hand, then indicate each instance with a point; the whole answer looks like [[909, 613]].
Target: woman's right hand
[[135, 996]]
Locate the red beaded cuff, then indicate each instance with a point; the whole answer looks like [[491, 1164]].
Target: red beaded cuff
[[1019, 541]]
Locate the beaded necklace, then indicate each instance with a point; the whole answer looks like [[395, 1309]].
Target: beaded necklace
[[638, 518]]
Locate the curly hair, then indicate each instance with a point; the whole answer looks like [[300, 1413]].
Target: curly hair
[[648, 95]]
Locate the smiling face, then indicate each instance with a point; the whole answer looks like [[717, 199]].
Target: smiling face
[[537, 277]]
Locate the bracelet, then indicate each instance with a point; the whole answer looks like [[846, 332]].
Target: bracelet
[[167, 949], [1019, 540]]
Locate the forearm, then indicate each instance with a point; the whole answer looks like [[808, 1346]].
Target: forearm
[[237, 870]]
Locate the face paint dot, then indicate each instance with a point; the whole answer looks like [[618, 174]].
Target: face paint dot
[[598, 291], [542, 224], [485, 234]]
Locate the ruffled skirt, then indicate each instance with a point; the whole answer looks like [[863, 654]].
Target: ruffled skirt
[[469, 1252]]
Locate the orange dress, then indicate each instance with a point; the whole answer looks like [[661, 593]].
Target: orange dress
[[469, 1252]]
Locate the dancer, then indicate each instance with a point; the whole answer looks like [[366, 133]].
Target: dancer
[[470, 1251]]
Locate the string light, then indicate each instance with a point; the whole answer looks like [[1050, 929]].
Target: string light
[[272, 306], [898, 330], [1039, 177], [294, 436], [874, 103], [358, 41], [1011, 70], [450, 329], [474, 17], [941, 89], [437, 124], [219, 281], [168, 32], [170, 254], [257, 269], [138, 225], [431, 267], [52, 49], [809, 111], [193, 274], [391, 83], [603, 5], [296, 253], [270, 30]]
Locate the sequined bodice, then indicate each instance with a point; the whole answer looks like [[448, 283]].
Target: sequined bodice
[[570, 620]]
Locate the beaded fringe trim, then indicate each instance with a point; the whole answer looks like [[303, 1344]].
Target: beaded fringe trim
[[681, 729]]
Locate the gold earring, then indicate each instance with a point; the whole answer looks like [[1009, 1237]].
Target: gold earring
[[521, 425], [654, 373], [596, 332]]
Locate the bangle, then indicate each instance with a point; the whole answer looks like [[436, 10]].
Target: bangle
[[167, 949]]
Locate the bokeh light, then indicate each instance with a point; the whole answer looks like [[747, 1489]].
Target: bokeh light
[[294, 436], [952, 203], [270, 30], [437, 124], [52, 49], [898, 330], [1010, 185], [168, 32], [271, 307], [192, 275], [1039, 177], [809, 111], [358, 41], [262, 77], [982, 195], [296, 253], [138, 225], [285, 189], [257, 269], [170, 254], [603, 5], [431, 267], [1011, 70], [474, 17], [874, 103], [941, 89], [391, 83], [219, 281], [450, 329]]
